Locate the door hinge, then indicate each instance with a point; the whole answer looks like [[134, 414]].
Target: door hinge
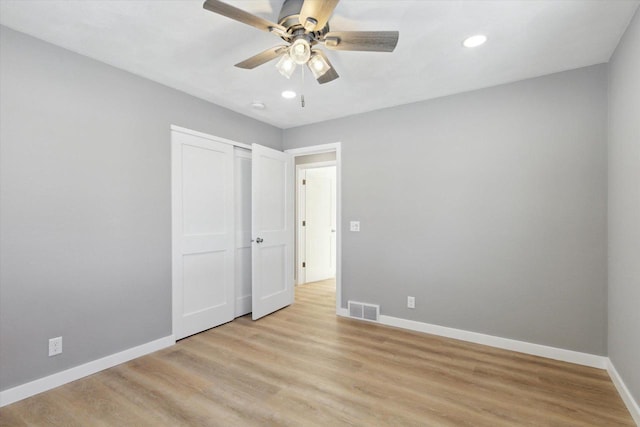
[[304, 223], [304, 182], [304, 264]]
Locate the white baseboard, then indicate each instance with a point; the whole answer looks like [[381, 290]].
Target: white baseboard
[[55, 380], [627, 398], [571, 356]]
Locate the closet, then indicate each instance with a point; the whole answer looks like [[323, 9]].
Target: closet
[[232, 230]]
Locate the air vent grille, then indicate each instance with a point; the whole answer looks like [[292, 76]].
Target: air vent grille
[[355, 309], [361, 310]]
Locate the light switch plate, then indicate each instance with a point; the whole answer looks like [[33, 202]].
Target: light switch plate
[[354, 226]]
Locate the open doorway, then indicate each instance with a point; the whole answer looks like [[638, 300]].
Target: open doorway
[[317, 216]]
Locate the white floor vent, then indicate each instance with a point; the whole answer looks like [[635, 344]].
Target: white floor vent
[[360, 310]]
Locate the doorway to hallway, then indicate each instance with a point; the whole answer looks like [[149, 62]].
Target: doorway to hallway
[[316, 216], [308, 158]]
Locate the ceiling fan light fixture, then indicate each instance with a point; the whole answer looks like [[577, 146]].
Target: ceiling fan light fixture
[[303, 24], [474, 41], [300, 51], [286, 66], [318, 65]]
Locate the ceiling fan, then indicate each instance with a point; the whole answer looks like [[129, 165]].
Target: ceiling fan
[[304, 24]]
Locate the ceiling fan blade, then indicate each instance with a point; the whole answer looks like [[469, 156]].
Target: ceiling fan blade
[[262, 57], [315, 13], [331, 73], [240, 15], [371, 41]]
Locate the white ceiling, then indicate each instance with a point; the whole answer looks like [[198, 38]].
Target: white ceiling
[[183, 46]]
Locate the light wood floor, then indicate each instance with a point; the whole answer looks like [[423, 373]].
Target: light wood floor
[[304, 366]]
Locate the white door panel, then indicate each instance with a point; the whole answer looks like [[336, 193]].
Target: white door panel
[[203, 234], [198, 270], [272, 230], [202, 189]]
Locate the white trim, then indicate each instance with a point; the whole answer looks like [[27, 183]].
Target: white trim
[[316, 165], [624, 392], [60, 378], [570, 356], [176, 227], [210, 137], [326, 148], [315, 149], [301, 232]]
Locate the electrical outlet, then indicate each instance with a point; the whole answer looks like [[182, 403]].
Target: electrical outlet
[[55, 346], [411, 302], [355, 226]]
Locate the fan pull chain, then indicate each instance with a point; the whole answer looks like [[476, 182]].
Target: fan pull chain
[[302, 86]]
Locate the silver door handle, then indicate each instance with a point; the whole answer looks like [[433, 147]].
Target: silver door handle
[[333, 231]]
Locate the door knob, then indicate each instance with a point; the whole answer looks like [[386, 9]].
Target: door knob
[[259, 240]]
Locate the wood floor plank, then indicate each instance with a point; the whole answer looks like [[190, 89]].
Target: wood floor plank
[[304, 366], [11, 418]]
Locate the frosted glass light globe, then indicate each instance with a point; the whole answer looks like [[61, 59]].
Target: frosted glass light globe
[[300, 51]]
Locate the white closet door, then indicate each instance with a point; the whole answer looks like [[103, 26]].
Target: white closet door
[[272, 230], [203, 233], [243, 231]]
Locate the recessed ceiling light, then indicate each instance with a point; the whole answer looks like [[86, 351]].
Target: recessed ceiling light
[[257, 105], [288, 94], [474, 41]]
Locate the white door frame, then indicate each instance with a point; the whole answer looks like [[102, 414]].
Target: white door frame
[[328, 148], [301, 211]]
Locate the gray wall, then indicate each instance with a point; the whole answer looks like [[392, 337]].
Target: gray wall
[[489, 207], [85, 204], [624, 208]]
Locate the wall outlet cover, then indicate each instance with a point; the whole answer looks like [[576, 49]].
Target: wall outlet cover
[[354, 226], [55, 346]]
